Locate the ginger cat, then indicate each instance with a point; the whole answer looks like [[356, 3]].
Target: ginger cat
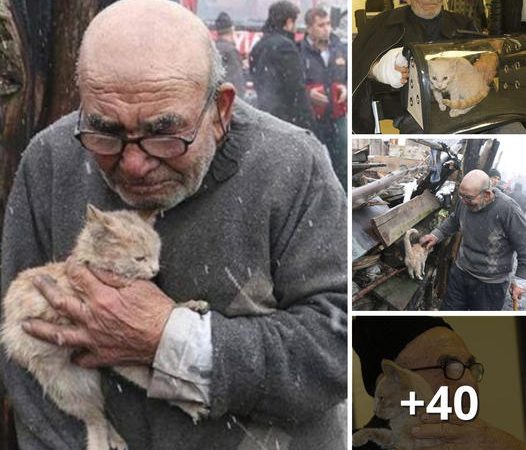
[[464, 83], [415, 255], [393, 387], [121, 242]]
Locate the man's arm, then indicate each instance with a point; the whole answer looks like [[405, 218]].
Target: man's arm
[[449, 226]]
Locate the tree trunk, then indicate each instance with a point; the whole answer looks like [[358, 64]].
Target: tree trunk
[[39, 42]]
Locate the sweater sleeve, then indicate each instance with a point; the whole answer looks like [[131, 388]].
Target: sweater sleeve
[[449, 226], [291, 365], [26, 243], [517, 235]]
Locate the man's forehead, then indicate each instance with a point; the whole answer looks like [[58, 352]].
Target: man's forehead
[[431, 346]]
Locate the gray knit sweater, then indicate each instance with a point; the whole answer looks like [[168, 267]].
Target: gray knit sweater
[[489, 238], [266, 232]]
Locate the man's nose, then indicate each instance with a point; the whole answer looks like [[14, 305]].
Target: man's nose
[[136, 163]]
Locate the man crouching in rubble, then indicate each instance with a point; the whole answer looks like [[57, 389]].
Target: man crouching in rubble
[[493, 227]]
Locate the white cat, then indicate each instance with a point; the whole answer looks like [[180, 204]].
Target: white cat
[[464, 83]]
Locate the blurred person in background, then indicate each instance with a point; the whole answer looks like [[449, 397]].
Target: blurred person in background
[[231, 58], [276, 68], [325, 65]]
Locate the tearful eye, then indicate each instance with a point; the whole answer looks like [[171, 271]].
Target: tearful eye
[[140, 258], [434, 78]]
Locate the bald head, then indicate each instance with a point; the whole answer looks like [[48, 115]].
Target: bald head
[[475, 180], [475, 190], [145, 40]]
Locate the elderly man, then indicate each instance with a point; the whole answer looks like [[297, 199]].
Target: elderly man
[[377, 56], [429, 346], [253, 220], [493, 227]]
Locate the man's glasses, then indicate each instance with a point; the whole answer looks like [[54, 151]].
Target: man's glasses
[[161, 146], [470, 198], [454, 369]]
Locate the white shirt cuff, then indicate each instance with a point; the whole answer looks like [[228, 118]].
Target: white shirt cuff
[[182, 368], [520, 282]]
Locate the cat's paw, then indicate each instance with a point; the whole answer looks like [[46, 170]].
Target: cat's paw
[[361, 437], [199, 306], [442, 106], [454, 113], [116, 442]]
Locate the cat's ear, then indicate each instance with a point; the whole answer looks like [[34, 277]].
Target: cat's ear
[[95, 215], [391, 369], [148, 215]]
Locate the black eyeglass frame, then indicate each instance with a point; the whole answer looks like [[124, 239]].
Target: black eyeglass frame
[[468, 366], [124, 140], [470, 198]]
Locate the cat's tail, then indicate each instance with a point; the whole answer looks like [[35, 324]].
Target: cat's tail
[[407, 240], [467, 102]]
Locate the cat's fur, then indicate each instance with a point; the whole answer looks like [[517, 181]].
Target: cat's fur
[[121, 242], [464, 83], [393, 387], [415, 255]]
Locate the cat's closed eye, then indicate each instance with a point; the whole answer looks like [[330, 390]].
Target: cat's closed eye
[[140, 258]]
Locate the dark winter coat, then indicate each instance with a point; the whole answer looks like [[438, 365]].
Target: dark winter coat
[[233, 65], [277, 71], [388, 30], [316, 72], [267, 229]]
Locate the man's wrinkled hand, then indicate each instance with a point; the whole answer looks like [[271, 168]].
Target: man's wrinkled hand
[[456, 434], [110, 326], [428, 241]]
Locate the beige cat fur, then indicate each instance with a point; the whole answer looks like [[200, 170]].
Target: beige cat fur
[[119, 241], [464, 83], [415, 255], [393, 387]]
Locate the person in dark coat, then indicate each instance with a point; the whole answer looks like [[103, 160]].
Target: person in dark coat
[[226, 47], [384, 36], [276, 68], [519, 196], [325, 65]]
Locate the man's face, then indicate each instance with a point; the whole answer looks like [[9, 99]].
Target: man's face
[[320, 30], [426, 9], [494, 181], [290, 25], [431, 348], [475, 199], [151, 108]]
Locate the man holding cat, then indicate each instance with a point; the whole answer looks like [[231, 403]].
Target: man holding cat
[[380, 69], [378, 63], [493, 228], [253, 220]]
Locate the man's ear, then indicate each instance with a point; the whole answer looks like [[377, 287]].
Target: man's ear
[[226, 94]]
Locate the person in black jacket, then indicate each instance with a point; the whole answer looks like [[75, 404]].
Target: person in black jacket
[[227, 49], [379, 46], [276, 68], [325, 65]]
